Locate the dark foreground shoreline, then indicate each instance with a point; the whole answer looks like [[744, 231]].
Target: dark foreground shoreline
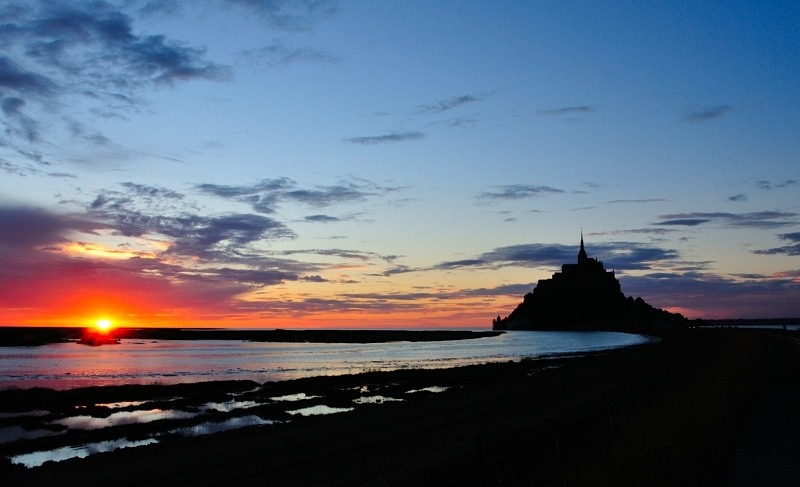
[[700, 407], [11, 336]]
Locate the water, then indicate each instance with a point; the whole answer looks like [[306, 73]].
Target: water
[[37, 458], [70, 365]]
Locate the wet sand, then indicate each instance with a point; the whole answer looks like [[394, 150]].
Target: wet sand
[[686, 410]]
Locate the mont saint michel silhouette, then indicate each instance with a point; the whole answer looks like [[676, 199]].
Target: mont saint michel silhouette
[[583, 296]]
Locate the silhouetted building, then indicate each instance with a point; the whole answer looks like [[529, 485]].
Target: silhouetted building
[[582, 296]]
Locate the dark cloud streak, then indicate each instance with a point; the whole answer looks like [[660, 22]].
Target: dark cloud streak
[[701, 114], [759, 219], [449, 104], [518, 192], [793, 249], [618, 255], [386, 138], [558, 112]]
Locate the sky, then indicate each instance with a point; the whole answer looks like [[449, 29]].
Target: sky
[[379, 164]]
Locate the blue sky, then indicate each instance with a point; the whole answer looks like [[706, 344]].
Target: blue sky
[[362, 163]]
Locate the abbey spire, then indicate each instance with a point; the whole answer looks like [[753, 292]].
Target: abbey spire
[[582, 253]]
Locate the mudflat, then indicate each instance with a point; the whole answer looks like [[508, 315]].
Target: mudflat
[[685, 410]]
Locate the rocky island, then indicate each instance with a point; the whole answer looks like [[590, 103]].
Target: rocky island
[[583, 296]]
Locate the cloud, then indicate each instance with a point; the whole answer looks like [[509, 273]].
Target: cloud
[[759, 219], [636, 231], [343, 253], [151, 192], [793, 249], [29, 228], [19, 124], [737, 197], [705, 295], [266, 195], [197, 236], [618, 256], [160, 214], [279, 54], [61, 39], [685, 222], [516, 290], [518, 192], [768, 185], [149, 211], [14, 77], [209, 238], [700, 114], [386, 138], [449, 104], [146, 198], [558, 112], [457, 122], [209, 262], [322, 219], [294, 15], [50, 282], [647, 200], [260, 277], [53, 51]]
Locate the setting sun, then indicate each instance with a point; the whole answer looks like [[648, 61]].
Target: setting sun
[[103, 324]]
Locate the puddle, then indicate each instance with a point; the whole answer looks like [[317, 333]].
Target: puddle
[[122, 417], [228, 406], [16, 433], [301, 396], [38, 458], [375, 400], [236, 394], [434, 389], [210, 428], [318, 410]]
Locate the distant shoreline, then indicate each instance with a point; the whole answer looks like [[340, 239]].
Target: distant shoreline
[[746, 322], [33, 336]]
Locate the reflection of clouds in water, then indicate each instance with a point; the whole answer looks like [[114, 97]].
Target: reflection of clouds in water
[[318, 410], [434, 389], [236, 394], [228, 406], [37, 458], [374, 400], [122, 417], [119, 405], [230, 424], [300, 396]]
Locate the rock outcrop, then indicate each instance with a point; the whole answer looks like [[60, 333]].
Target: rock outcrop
[[583, 296]]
